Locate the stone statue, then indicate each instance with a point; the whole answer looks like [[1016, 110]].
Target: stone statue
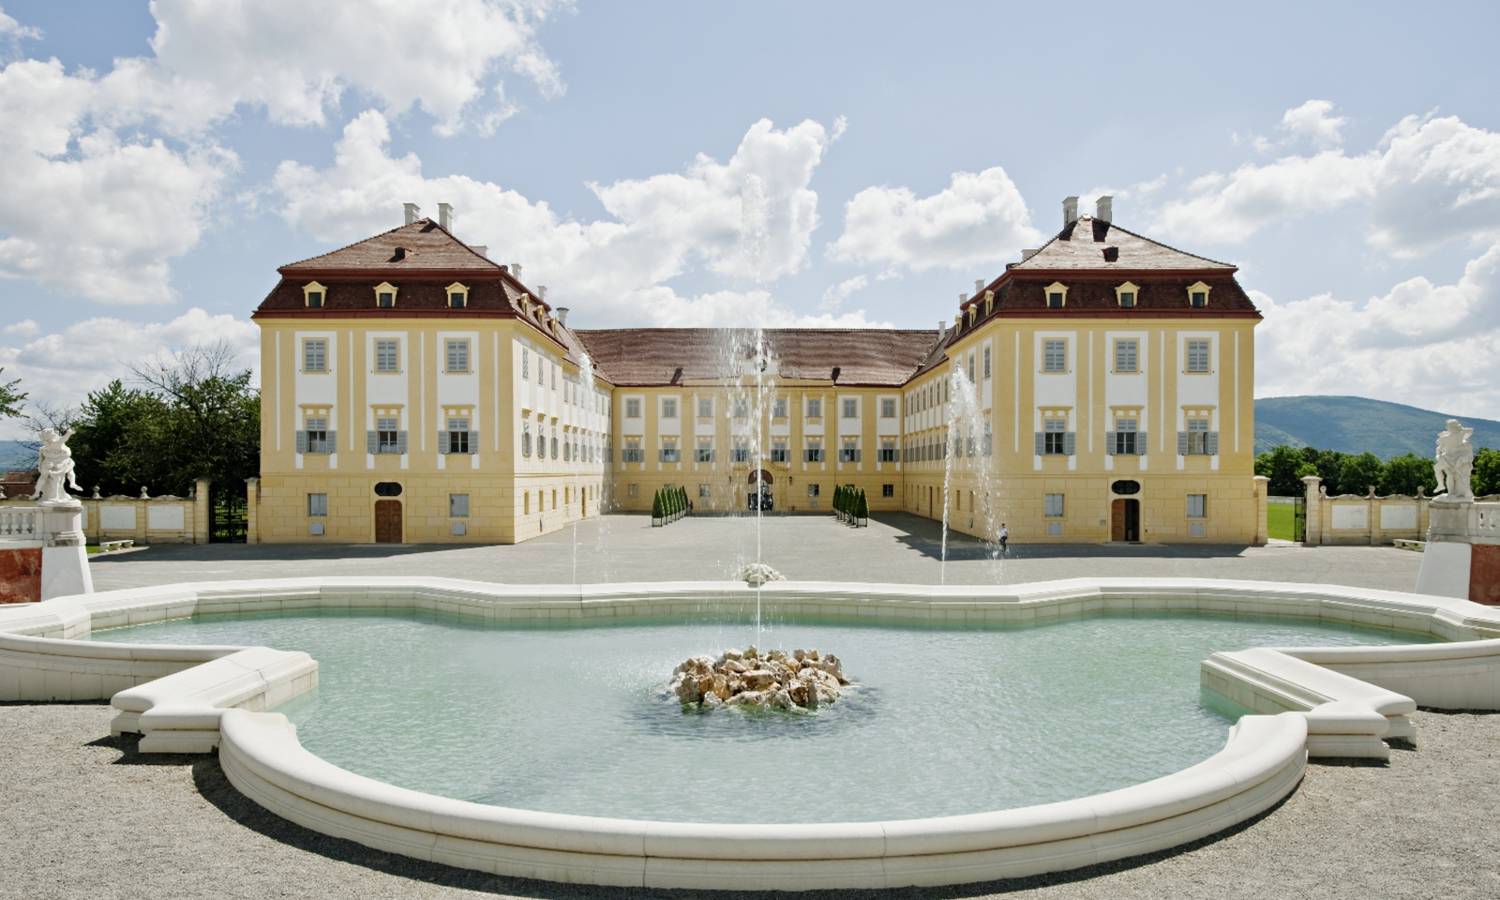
[[1454, 461], [54, 463]]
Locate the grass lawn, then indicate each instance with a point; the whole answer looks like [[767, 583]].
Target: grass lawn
[[1280, 520]]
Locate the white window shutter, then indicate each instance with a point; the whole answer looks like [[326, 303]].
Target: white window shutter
[[400, 442], [1070, 443], [1211, 443], [1140, 443], [473, 442], [1041, 443], [1182, 443], [1109, 443], [333, 442], [301, 442], [372, 442]]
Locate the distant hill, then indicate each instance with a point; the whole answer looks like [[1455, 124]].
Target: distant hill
[[16, 455], [1357, 424]]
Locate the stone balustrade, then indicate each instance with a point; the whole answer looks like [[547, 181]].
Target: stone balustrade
[[18, 523]]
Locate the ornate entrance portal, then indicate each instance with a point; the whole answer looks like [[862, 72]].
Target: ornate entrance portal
[[760, 498]]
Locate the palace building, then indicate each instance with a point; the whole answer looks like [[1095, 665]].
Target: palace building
[[413, 390]]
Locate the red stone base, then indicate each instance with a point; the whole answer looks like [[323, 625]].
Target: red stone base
[[21, 575], [1484, 574]]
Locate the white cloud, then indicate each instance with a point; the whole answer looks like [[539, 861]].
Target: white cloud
[[1428, 181], [1421, 343], [749, 218], [836, 294], [1313, 122], [85, 210], [979, 218], [59, 368], [24, 328], [12, 30]]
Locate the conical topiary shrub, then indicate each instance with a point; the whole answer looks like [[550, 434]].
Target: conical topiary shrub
[[862, 508], [658, 510]]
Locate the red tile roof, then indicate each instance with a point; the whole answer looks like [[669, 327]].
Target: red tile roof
[[865, 357], [422, 245], [1082, 245]]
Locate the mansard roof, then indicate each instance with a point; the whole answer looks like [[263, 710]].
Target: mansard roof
[[424, 245], [1091, 244], [863, 357]]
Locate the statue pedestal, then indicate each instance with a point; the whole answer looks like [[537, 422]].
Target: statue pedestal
[[65, 561], [1462, 556]]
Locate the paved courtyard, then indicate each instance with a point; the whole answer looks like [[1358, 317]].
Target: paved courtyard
[[896, 548]]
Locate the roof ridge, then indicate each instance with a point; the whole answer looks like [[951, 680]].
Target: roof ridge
[[1112, 225], [350, 244], [425, 222]]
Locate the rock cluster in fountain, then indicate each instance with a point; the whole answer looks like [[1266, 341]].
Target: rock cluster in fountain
[[803, 680], [757, 574]]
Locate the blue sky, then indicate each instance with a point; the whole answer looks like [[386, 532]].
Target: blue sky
[[788, 163]]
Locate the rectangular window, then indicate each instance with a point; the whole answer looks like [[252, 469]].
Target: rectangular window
[[669, 451], [887, 449], [387, 355], [1125, 437], [525, 364], [740, 452], [705, 450], [315, 355], [814, 452], [1127, 356], [812, 489], [669, 408], [457, 355], [1054, 505], [705, 408], [315, 299], [1197, 355], [779, 452], [633, 408], [1055, 355], [1054, 437], [741, 409], [631, 452], [1197, 506], [887, 490], [849, 449], [458, 299], [778, 408], [1055, 299], [458, 506], [1127, 299], [387, 435], [1197, 436], [633, 490], [986, 362], [458, 435], [317, 504], [1200, 299], [888, 408], [851, 408], [385, 300], [814, 408], [317, 434], [703, 492], [971, 367]]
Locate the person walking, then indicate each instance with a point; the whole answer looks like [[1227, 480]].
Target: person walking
[[1004, 537]]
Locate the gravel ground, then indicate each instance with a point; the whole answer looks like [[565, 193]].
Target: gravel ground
[[82, 816]]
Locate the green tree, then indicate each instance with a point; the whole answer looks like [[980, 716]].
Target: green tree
[[119, 435], [1359, 473], [1284, 467], [1406, 473], [10, 397], [861, 506], [658, 509], [1486, 477]]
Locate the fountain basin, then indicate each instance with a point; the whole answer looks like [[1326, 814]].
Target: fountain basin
[[264, 759]]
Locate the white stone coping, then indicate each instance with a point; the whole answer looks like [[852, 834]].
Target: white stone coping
[[1261, 763], [1344, 702]]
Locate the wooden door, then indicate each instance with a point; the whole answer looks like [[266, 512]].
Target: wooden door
[[1125, 520], [387, 521], [1117, 520]]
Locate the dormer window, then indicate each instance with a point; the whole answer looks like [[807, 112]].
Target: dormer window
[[458, 296], [989, 302], [973, 311], [1057, 295], [1198, 295], [385, 295], [314, 295], [1127, 295]]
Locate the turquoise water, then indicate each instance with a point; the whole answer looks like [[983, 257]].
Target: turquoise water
[[942, 721]]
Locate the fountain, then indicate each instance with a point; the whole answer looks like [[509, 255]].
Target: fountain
[[969, 443], [583, 400], [802, 680]]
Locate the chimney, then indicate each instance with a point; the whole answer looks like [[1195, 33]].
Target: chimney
[[445, 216], [562, 315], [1028, 253], [1104, 208], [413, 212], [978, 286], [515, 271], [541, 292], [481, 249], [1070, 211], [963, 297]]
